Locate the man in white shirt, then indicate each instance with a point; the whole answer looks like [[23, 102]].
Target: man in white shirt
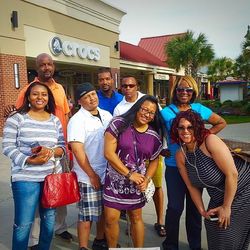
[[85, 136], [131, 95]]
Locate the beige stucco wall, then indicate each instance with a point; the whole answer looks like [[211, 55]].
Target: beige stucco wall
[[61, 20], [32, 49]]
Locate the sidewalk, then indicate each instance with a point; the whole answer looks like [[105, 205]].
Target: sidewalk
[[236, 132], [6, 218]]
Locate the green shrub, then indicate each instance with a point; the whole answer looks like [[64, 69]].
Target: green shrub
[[217, 104], [228, 106], [246, 109], [237, 104], [227, 103], [211, 103], [245, 102]]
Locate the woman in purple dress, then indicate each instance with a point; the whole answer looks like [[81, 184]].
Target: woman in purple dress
[[131, 140]]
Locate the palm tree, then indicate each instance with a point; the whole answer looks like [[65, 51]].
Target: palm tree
[[242, 65], [189, 52], [220, 69], [246, 45]]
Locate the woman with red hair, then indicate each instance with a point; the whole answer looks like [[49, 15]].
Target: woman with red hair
[[204, 161]]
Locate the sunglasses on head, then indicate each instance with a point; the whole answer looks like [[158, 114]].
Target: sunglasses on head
[[126, 86], [188, 128], [182, 90]]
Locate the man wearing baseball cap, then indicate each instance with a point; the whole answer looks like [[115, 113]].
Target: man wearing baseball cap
[[85, 136]]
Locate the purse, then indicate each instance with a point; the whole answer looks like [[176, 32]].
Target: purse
[[60, 189], [150, 190]]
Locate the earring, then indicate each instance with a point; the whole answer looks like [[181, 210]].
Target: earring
[[29, 105], [47, 107]]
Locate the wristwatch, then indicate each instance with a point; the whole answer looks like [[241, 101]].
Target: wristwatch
[[128, 175]]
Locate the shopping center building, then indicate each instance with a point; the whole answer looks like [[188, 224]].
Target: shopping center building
[[81, 36]]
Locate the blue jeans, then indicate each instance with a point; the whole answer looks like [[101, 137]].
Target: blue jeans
[[177, 192], [27, 195]]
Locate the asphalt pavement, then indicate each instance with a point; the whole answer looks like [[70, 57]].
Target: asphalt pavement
[[239, 132]]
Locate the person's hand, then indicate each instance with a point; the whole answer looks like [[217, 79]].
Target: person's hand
[[40, 155], [204, 214], [9, 110], [137, 178], [43, 151], [142, 187], [95, 181], [223, 214]]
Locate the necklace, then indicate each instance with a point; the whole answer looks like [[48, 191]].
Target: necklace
[[196, 170], [184, 107]]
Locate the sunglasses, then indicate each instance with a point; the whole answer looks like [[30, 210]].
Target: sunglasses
[[182, 90], [188, 128], [146, 111], [130, 86]]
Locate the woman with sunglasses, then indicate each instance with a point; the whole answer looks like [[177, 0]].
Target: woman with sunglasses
[[204, 161], [183, 95], [131, 140]]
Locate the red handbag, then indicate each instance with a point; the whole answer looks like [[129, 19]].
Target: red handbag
[[60, 190]]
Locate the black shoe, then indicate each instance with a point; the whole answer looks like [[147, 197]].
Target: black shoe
[[100, 244], [35, 247], [65, 236], [171, 247]]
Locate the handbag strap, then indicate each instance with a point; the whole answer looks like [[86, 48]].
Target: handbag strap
[[58, 161], [172, 109]]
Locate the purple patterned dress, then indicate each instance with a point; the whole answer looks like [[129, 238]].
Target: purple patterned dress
[[119, 192]]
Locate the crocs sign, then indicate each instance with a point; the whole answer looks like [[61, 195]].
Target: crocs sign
[[57, 47]]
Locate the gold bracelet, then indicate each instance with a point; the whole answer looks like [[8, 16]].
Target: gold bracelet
[[53, 151]]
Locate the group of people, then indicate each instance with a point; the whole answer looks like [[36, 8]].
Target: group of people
[[117, 146]]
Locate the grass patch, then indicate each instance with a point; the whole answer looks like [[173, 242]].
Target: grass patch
[[234, 119]]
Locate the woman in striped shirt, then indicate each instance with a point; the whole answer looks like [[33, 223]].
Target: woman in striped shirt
[[32, 139], [204, 161]]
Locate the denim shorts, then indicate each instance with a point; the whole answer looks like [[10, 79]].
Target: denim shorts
[[91, 203]]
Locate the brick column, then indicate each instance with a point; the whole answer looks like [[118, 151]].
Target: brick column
[[8, 92]]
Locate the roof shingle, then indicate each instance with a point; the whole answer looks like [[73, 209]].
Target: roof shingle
[[134, 53], [156, 45]]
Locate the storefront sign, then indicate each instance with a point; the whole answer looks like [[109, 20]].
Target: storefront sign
[[67, 73], [161, 77], [73, 49]]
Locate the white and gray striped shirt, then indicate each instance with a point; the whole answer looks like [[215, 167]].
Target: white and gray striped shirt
[[21, 133]]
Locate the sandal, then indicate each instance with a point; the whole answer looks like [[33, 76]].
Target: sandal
[[160, 229]]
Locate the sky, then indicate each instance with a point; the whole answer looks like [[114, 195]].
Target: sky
[[224, 22]]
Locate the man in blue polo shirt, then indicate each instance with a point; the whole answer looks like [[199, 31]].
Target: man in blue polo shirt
[[108, 98]]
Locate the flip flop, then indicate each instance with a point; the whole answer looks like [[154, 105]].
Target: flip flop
[[160, 229]]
